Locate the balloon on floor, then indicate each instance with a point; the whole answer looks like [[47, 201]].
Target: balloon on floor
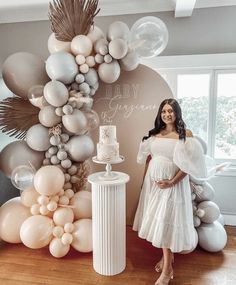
[[51, 113]]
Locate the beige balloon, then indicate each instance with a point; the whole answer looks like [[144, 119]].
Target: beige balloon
[[48, 117], [117, 30], [22, 70], [109, 72], [19, 153], [36, 231], [81, 44], [37, 138], [76, 122], [29, 197], [49, 180], [55, 45], [95, 34], [63, 216], [82, 235], [56, 93], [130, 61], [57, 248], [82, 202], [118, 48], [12, 215]]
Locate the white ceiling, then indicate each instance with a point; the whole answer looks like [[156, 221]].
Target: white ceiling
[[35, 10]]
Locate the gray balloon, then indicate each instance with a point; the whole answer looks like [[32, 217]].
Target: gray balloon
[[19, 153], [76, 122], [37, 138], [22, 70], [207, 192], [211, 210], [91, 77], [48, 117], [61, 66], [130, 61], [56, 93], [80, 148], [212, 237]]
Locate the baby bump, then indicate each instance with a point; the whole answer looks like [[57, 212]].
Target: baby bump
[[162, 168]]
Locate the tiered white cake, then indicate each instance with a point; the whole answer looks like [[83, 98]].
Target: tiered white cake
[[107, 147]]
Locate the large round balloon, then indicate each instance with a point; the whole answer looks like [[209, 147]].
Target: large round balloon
[[36, 231], [211, 211], [12, 215], [56, 93], [204, 192], [22, 70], [118, 30], [37, 137], [49, 180], [19, 153], [109, 72], [54, 45], [212, 237], [82, 235], [80, 148], [48, 117], [82, 202], [149, 36], [76, 122], [61, 66]]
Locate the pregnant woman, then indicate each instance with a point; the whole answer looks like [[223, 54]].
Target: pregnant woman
[[164, 215]]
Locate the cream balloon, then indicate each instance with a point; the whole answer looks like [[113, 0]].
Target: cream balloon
[[119, 30], [37, 138], [95, 34], [82, 45], [49, 180], [57, 248], [109, 72], [29, 197], [118, 48], [19, 153], [55, 45], [80, 148], [130, 61], [82, 235], [36, 231], [48, 117], [56, 93], [63, 216], [76, 122], [12, 215], [82, 202]]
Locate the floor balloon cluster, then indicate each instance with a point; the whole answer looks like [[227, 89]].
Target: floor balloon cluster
[[51, 113]]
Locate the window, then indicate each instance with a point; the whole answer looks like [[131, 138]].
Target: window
[[208, 101]]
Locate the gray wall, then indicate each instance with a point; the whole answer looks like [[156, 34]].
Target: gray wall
[[210, 30]]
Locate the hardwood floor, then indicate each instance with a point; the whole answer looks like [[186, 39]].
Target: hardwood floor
[[20, 265]]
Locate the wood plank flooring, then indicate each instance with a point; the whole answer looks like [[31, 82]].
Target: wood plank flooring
[[20, 265]]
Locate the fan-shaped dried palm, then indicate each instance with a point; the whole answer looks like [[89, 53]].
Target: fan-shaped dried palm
[[17, 116], [70, 18]]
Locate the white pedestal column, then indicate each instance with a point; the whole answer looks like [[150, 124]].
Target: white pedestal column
[[109, 223]]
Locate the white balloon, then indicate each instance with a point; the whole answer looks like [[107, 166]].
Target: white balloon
[[118, 48], [76, 122], [130, 61], [56, 93], [117, 30], [149, 36], [48, 117], [109, 72], [212, 237], [81, 44], [204, 192], [212, 211], [62, 66], [55, 45]]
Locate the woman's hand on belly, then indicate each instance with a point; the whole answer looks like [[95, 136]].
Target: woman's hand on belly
[[164, 184]]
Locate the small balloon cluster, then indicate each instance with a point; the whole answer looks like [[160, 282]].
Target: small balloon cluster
[[207, 218]]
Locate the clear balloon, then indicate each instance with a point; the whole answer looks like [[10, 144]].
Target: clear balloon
[[149, 36], [22, 177], [92, 119], [35, 95]]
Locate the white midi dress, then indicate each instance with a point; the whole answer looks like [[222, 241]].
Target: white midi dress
[[164, 217]]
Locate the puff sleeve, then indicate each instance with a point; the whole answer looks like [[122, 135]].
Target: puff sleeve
[[144, 150], [189, 157]]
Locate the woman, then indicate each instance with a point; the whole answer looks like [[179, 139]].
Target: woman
[[164, 214]]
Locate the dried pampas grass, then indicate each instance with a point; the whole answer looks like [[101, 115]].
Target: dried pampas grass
[[17, 116], [70, 18], [84, 170]]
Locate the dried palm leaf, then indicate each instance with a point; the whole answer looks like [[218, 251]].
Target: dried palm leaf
[[84, 170], [17, 116], [70, 18]]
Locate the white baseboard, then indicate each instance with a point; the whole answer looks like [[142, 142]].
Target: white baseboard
[[230, 220]]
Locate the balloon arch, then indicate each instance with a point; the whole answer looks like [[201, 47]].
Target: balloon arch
[[51, 114]]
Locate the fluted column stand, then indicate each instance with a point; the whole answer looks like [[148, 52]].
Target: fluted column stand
[[109, 223]]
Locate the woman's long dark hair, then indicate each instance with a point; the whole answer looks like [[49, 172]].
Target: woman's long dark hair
[[159, 125]]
